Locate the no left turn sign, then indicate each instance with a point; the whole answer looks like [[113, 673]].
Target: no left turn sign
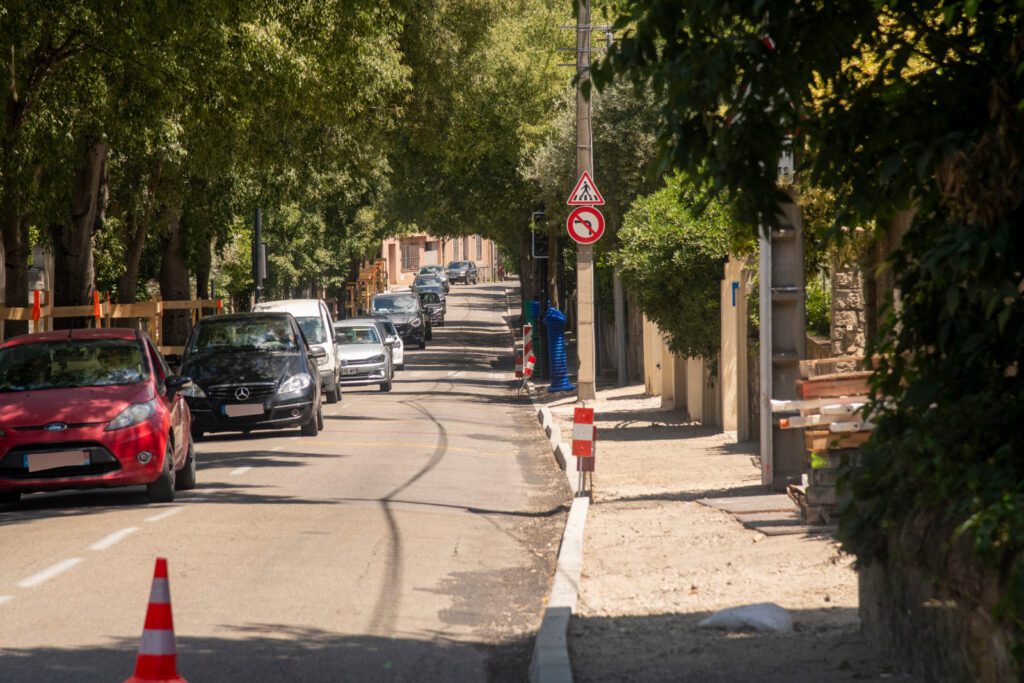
[[585, 224]]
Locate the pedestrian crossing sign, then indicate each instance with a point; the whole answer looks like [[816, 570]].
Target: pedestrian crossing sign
[[586, 192]]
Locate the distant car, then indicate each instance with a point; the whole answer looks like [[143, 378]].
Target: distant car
[[391, 337], [428, 280], [438, 270], [252, 371], [433, 301], [406, 312], [317, 326], [462, 271], [92, 408], [365, 357]]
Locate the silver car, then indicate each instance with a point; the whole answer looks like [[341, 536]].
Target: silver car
[[363, 355]]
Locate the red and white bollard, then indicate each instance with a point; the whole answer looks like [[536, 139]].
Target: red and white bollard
[[584, 443]]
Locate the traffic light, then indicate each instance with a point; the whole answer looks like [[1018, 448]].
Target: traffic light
[[539, 235]]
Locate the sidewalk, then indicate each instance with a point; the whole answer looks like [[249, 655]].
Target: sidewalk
[[656, 561]]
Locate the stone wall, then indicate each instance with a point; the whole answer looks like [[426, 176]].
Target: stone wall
[[847, 313], [930, 608]]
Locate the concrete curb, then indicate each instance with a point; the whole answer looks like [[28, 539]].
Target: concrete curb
[[550, 662]]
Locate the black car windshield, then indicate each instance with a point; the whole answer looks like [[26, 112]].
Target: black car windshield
[[313, 328], [457, 264], [248, 334], [394, 304], [72, 363], [357, 335], [430, 298]]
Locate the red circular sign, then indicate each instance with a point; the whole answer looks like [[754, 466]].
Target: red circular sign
[[585, 224]]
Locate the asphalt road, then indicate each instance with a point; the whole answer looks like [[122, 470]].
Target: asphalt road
[[414, 539]]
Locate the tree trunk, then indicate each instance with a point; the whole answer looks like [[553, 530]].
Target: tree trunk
[[72, 241], [174, 281], [553, 264]]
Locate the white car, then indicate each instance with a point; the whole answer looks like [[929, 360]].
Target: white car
[[317, 325], [395, 339]]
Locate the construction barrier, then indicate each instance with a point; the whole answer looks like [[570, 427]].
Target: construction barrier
[[101, 313]]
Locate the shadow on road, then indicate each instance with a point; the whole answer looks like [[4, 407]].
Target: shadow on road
[[280, 653]]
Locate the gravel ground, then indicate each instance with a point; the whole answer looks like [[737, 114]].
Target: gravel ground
[[656, 562]]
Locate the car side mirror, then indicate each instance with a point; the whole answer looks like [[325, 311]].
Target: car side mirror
[[317, 352], [392, 340], [175, 383]]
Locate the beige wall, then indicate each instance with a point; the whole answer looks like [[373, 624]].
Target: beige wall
[[429, 249], [718, 399]]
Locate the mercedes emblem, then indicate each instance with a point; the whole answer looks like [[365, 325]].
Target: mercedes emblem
[[242, 393]]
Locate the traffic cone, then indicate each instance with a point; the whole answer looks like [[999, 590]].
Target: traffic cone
[[158, 655]]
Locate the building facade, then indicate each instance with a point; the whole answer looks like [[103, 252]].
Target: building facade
[[406, 254]]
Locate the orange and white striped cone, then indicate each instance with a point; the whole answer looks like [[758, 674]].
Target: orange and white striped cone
[[158, 654]]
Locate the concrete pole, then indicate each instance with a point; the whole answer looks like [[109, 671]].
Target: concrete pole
[[586, 389]]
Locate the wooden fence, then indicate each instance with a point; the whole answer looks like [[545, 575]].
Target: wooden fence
[[102, 313]]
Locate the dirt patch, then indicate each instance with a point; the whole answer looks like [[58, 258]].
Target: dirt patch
[[656, 562]]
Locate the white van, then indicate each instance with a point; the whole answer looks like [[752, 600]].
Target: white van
[[317, 325]]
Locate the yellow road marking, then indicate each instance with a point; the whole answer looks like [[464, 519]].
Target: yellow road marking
[[397, 444]]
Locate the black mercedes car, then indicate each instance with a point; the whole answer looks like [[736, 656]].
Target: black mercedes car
[[252, 371], [432, 298], [407, 313]]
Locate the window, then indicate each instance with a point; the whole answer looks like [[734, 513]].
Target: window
[[410, 257], [455, 249], [479, 248]]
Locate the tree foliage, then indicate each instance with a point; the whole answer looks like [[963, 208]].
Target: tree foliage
[[671, 257], [896, 106]]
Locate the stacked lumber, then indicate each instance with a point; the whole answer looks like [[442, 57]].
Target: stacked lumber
[[830, 411]]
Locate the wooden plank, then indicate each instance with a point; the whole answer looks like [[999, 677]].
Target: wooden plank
[[73, 311], [823, 440], [781, 406], [831, 386], [171, 350], [15, 313]]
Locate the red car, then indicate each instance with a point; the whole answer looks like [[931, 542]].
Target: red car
[[92, 408]]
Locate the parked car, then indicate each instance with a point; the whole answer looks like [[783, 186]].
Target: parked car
[[252, 371], [392, 338], [92, 408], [438, 270], [428, 280], [406, 312], [462, 271], [365, 356], [432, 298], [317, 325]]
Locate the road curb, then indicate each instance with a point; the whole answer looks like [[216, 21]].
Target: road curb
[[550, 661]]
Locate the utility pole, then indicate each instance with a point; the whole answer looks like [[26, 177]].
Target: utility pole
[[586, 380]]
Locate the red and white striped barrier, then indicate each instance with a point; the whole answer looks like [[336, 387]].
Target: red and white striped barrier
[[527, 350], [530, 362], [584, 439], [158, 653]]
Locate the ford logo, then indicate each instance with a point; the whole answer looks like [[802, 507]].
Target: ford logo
[[242, 393], [55, 427]]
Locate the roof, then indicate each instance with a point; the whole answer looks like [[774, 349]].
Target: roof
[[83, 334], [352, 322], [294, 306]]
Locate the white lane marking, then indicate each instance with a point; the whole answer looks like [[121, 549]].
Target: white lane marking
[[49, 573], [277, 448], [5, 598], [239, 470], [164, 515], [454, 373], [113, 538]]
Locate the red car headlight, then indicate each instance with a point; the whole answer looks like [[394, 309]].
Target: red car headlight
[[133, 415]]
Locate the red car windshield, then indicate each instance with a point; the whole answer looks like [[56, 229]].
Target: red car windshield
[[71, 363]]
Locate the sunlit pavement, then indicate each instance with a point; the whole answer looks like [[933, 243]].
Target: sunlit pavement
[[413, 539]]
